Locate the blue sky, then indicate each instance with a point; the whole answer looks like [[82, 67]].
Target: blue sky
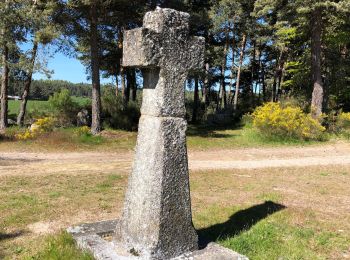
[[66, 68]]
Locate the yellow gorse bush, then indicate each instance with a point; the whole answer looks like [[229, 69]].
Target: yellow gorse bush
[[84, 130], [41, 126], [272, 119], [343, 120]]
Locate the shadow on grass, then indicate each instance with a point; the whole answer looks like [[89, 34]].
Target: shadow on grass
[[210, 131], [6, 236], [240, 221]]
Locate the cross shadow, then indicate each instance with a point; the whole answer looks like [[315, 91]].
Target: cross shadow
[[6, 236], [238, 222]]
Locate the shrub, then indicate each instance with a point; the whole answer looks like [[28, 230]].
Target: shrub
[[115, 115], [343, 120], [339, 123], [272, 119], [12, 132], [63, 107], [81, 131], [247, 120], [41, 126]]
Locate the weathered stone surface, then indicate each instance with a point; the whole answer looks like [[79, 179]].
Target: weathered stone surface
[[102, 228], [83, 118], [165, 50], [157, 215], [94, 237], [157, 219], [213, 251], [11, 122]]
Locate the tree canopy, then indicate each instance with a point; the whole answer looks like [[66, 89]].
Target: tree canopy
[[257, 50]]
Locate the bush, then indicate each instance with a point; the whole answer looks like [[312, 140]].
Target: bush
[[41, 126], [81, 131], [343, 121], [115, 115], [338, 122], [12, 132], [272, 120], [63, 107]]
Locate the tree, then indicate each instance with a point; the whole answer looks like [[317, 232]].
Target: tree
[[308, 22], [91, 26], [12, 31], [41, 30]]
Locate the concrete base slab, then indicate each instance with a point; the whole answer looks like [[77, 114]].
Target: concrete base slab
[[97, 238]]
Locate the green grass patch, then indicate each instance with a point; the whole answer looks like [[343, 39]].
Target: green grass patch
[[32, 105], [266, 231], [201, 137], [39, 107], [60, 247]]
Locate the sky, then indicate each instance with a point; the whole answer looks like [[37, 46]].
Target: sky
[[66, 68]]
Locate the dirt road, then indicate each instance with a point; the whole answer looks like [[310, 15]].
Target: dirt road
[[20, 163]]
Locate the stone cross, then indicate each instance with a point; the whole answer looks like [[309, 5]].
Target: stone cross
[[157, 219]]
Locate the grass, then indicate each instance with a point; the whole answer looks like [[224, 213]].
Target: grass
[[33, 105], [60, 247], [37, 106], [198, 138], [264, 214], [65, 139]]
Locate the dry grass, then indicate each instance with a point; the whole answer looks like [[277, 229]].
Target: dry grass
[[307, 216], [67, 141], [117, 140]]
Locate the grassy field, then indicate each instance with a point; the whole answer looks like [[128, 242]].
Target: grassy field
[[32, 105], [37, 105], [293, 213]]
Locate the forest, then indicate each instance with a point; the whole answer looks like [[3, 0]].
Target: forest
[[282, 51]]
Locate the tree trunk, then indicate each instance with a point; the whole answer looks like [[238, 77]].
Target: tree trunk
[[133, 85], [277, 75], [258, 81], [222, 94], [195, 101], [4, 87], [27, 84], [128, 85], [116, 85], [253, 67], [206, 85], [280, 81], [317, 94], [263, 82], [95, 73], [232, 68], [122, 74], [241, 59]]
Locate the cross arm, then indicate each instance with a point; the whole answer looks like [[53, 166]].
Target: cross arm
[[140, 48]]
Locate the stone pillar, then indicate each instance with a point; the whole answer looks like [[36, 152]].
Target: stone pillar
[[157, 218]]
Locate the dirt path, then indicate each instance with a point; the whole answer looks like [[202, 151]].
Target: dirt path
[[20, 163]]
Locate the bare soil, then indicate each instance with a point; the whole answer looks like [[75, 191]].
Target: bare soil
[[24, 163], [312, 182]]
